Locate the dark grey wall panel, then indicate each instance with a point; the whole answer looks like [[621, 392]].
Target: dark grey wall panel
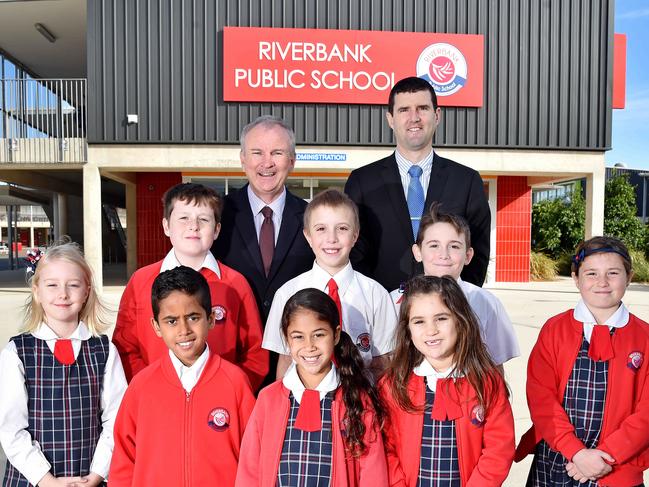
[[548, 70]]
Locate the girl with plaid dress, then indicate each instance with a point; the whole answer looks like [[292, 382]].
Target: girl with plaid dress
[[450, 422], [587, 386], [61, 380], [321, 424]]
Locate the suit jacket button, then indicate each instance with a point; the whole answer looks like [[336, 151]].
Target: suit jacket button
[[266, 304]]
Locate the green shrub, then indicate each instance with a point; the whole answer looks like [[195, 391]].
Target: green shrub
[[620, 218], [542, 267], [640, 266], [564, 264]]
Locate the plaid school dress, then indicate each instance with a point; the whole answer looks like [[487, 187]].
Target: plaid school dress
[[583, 402], [439, 465], [63, 406], [306, 456]]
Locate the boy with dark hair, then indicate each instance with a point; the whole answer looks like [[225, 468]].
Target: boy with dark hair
[[192, 214], [182, 418]]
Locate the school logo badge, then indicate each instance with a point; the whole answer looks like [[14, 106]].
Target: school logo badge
[[219, 314], [635, 360], [477, 416], [363, 342], [219, 419], [444, 67]]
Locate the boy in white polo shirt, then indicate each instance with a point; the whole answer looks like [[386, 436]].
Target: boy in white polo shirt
[[331, 227], [444, 247]]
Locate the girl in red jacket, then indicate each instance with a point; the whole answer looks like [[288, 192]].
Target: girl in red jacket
[[450, 422], [321, 424], [587, 385]]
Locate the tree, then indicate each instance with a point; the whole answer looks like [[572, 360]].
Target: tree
[[620, 210], [558, 225]]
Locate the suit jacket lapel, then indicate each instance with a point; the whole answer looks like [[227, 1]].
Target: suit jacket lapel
[[245, 225], [291, 225], [437, 183], [390, 174]]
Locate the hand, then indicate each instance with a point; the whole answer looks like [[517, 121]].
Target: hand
[[90, 480], [51, 481], [575, 474], [592, 463]]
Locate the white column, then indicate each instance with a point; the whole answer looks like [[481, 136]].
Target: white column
[[92, 241], [595, 202], [62, 216], [131, 229]]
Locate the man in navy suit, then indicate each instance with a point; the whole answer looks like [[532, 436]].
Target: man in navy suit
[[261, 225], [381, 189]]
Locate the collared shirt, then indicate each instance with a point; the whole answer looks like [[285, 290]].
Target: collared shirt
[[292, 382], [368, 315], [404, 165], [171, 262], [18, 445], [496, 328], [257, 204], [189, 375], [617, 320], [424, 369]]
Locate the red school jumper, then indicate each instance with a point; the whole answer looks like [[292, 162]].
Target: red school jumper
[[165, 436], [236, 335], [626, 411], [485, 449], [261, 447]]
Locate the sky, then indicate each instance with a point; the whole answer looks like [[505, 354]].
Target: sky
[[630, 139]]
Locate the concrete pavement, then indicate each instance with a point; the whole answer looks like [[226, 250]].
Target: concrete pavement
[[528, 304]]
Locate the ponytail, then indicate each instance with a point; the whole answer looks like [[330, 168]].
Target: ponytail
[[357, 387], [358, 391]]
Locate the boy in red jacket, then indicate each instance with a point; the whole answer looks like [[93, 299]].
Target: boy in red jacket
[[182, 418], [192, 214]]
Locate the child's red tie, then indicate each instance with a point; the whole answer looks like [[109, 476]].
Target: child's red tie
[[447, 402], [600, 348], [332, 287], [308, 415], [63, 351]]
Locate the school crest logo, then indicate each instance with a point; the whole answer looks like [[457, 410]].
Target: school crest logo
[[219, 419], [477, 416], [363, 342], [219, 314], [635, 360], [444, 67]]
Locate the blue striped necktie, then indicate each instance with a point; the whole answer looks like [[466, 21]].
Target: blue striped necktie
[[415, 198]]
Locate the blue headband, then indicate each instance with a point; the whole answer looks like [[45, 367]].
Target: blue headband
[[579, 257]]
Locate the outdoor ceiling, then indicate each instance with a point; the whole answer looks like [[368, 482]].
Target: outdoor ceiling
[[66, 19]]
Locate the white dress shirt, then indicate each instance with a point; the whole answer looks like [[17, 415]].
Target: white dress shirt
[[171, 262], [424, 369], [292, 382], [21, 450], [617, 320], [404, 165], [257, 204], [496, 328], [189, 375], [368, 315]]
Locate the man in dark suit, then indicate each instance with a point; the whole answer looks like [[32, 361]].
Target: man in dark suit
[[261, 225], [392, 193]]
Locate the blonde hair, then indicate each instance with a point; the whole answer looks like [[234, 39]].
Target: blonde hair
[[93, 313]]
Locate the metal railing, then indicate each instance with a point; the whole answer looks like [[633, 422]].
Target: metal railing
[[43, 120]]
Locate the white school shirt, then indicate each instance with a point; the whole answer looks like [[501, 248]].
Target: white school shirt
[[209, 262], [21, 450], [293, 383], [618, 319], [189, 375], [496, 328], [257, 204], [368, 315], [424, 369]]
